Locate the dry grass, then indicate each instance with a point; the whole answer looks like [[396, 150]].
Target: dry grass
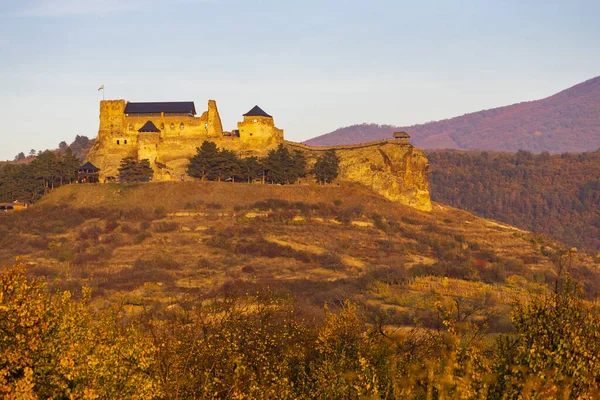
[[157, 242]]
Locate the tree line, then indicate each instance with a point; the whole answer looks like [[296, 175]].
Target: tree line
[[30, 181], [280, 166]]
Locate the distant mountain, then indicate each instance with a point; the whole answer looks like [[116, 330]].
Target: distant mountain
[[566, 122]]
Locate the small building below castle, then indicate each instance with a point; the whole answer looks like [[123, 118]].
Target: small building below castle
[[88, 173]]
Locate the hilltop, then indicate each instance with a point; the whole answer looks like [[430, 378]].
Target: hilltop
[[565, 122], [149, 244]]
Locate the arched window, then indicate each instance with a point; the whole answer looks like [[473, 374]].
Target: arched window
[[162, 126], [181, 126], [172, 126], [118, 141], [255, 120], [125, 141]]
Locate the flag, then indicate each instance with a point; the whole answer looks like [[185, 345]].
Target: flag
[[101, 88]]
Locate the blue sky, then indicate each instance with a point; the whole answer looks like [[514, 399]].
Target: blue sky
[[315, 65]]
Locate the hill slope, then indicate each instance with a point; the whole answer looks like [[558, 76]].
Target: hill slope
[[567, 121], [149, 244]]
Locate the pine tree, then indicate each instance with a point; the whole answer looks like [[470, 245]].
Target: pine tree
[[326, 168], [132, 170], [251, 168], [204, 162], [144, 171]]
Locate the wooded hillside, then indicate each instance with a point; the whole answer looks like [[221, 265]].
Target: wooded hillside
[[556, 195]]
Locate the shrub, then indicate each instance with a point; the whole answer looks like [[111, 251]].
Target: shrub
[[141, 237], [91, 232], [165, 226]]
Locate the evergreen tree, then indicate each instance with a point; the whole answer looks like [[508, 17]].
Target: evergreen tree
[[204, 162], [282, 167], [251, 168], [327, 167], [68, 165], [144, 171], [20, 156], [297, 166], [46, 169], [131, 170], [226, 166]]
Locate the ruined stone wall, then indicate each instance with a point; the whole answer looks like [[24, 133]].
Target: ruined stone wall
[[213, 123], [394, 169]]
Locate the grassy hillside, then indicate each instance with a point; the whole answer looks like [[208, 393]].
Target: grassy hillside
[[149, 244], [567, 121], [204, 290], [555, 195]]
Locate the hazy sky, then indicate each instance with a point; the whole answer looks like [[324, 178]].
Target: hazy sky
[[315, 65]]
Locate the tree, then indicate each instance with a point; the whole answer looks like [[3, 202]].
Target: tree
[[298, 166], [554, 351], [52, 346], [251, 168], [63, 145], [20, 156], [282, 167], [227, 165], [32, 153], [68, 165], [327, 167], [204, 161], [131, 170], [46, 169]]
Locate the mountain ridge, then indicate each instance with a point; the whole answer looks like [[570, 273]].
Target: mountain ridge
[[564, 122]]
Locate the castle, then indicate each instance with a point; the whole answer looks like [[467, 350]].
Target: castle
[[169, 133]]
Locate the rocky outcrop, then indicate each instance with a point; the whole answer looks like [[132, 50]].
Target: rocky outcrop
[[394, 169]]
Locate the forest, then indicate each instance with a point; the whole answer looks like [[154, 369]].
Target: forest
[[556, 195], [29, 181]]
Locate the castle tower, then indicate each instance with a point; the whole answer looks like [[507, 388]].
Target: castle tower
[[259, 126]]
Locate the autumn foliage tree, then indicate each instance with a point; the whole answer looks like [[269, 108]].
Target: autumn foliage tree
[[52, 346]]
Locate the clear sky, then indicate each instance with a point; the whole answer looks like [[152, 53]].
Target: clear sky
[[315, 65]]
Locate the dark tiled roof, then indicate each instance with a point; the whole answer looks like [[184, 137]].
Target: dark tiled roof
[[149, 127], [177, 107], [88, 166], [257, 112]]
